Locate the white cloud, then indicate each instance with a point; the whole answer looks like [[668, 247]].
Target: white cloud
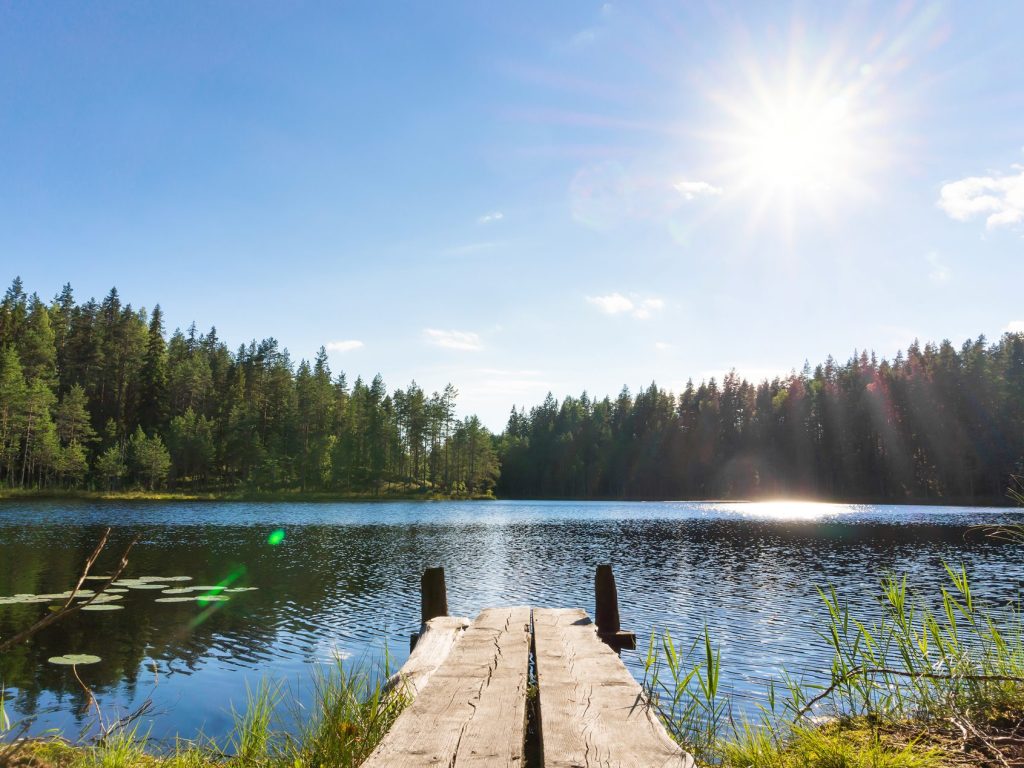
[[617, 304], [490, 217], [646, 307], [997, 197], [343, 346], [661, 346], [691, 190], [464, 340], [1015, 326], [612, 304], [938, 272]]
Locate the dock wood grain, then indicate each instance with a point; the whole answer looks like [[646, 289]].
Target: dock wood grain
[[472, 712], [592, 711], [436, 639]]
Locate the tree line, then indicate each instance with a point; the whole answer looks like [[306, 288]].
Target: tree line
[[95, 394], [935, 423]]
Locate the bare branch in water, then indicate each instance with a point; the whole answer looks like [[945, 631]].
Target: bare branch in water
[[69, 605]]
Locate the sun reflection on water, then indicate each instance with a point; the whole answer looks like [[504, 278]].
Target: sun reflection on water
[[788, 509]]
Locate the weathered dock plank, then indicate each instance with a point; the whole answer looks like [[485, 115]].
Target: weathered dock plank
[[436, 640], [592, 711], [472, 712]]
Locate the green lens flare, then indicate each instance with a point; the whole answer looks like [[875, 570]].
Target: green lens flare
[[276, 537]]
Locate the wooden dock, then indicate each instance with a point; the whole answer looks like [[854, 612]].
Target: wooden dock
[[475, 703]]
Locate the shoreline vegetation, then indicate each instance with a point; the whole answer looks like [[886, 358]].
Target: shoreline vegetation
[[936, 681], [1009, 500], [80, 494]]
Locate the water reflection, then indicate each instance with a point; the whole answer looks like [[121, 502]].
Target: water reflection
[[344, 581], [787, 510]]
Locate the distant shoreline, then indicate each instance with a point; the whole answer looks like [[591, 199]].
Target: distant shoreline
[[17, 494], [31, 494]]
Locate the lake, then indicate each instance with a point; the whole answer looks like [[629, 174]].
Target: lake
[[344, 583]]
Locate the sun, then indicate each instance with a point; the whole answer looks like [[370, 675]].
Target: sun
[[797, 142], [803, 145]]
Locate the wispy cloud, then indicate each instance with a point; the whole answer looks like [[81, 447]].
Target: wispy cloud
[[646, 307], [469, 248], [1014, 326], [998, 197], [691, 190], [617, 304], [937, 272], [662, 346], [343, 346], [591, 33], [463, 340], [490, 217]]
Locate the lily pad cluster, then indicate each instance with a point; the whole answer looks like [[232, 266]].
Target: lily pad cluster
[[108, 600], [49, 597]]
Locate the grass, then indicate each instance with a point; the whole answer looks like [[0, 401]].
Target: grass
[[928, 683], [350, 713], [396, 492]]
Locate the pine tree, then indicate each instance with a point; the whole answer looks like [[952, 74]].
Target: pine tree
[[74, 425], [110, 467], [13, 394], [153, 376], [36, 345], [148, 458]]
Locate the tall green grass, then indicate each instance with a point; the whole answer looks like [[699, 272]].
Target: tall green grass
[[351, 710], [948, 669]]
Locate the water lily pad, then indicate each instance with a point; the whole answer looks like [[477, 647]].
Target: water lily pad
[[115, 590], [147, 585], [102, 607], [105, 598], [162, 579], [241, 589], [209, 588], [74, 658], [178, 591], [96, 578], [21, 600], [211, 598], [174, 600], [128, 582]]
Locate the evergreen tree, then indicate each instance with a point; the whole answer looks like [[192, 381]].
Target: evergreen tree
[[153, 376], [110, 467], [149, 460]]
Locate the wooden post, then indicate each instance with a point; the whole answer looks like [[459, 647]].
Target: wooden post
[[433, 600], [433, 595], [606, 610]]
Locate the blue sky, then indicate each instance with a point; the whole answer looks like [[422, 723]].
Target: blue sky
[[523, 197]]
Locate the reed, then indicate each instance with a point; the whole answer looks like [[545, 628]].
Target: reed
[[350, 713], [930, 677]]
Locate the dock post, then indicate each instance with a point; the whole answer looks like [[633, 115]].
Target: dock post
[[606, 610], [433, 595], [433, 599]]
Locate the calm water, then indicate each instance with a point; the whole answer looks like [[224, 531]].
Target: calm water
[[345, 583]]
